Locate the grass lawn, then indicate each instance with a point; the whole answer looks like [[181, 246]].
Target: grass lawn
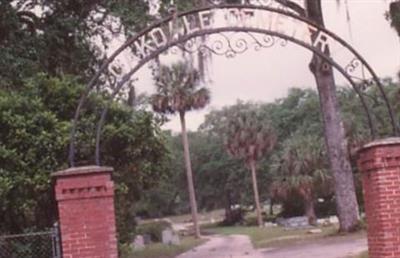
[[362, 255], [159, 250], [271, 236]]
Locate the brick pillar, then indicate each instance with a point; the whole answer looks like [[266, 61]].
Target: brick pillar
[[379, 163], [85, 197]]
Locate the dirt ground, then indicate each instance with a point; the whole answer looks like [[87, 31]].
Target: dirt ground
[[239, 246]]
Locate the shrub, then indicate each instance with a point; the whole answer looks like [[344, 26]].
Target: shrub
[[233, 217]]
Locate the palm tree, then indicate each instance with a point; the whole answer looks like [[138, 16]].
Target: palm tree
[[178, 92], [249, 137], [301, 169]]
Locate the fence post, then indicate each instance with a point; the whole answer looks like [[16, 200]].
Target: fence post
[[85, 198], [56, 241]]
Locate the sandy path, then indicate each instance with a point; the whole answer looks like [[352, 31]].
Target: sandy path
[[239, 246], [333, 247], [233, 246]]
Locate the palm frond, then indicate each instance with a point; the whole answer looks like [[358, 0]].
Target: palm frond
[[179, 86]]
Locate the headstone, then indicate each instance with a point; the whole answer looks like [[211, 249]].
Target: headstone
[[175, 240], [269, 224], [295, 222], [314, 231], [147, 239], [324, 222], [138, 243], [333, 219], [169, 237]]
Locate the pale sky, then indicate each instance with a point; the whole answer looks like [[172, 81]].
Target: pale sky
[[267, 74]]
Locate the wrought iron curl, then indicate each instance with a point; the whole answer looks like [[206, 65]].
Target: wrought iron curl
[[237, 44], [228, 44], [354, 64], [174, 50], [191, 46], [283, 42], [266, 41], [251, 2], [218, 46]]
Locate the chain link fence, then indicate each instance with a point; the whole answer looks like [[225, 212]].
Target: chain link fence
[[31, 245]]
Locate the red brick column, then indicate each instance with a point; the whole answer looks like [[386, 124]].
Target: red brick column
[[379, 163], [85, 197]]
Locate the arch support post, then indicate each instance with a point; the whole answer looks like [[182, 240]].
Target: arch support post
[[379, 163], [85, 199]]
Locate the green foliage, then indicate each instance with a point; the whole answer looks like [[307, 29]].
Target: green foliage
[[302, 166], [394, 15], [299, 111], [31, 141], [362, 255], [246, 131], [57, 37], [178, 89], [35, 125]]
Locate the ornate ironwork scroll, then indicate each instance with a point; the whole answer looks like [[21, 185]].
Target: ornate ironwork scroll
[[228, 44]]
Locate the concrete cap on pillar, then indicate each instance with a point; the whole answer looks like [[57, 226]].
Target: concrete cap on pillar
[[81, 171], [381, 142]]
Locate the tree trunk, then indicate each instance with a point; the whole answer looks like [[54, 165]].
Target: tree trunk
[[271, 206], [228, 206], [309, 208], [256, 196], [346, 202], [189, 176]]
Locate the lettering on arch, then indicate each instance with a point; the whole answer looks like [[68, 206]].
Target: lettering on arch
[[185, 25]]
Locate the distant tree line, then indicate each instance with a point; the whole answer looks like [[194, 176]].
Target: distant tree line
[[295, 172]]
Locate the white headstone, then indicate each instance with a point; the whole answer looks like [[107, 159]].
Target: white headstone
[[167, 236], [175, 240], [333, 219], [138, 243], [314, 231], [294, 222]]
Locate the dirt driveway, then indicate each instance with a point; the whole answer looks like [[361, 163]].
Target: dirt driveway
[[239, 246], [330, 247], [233, 246]]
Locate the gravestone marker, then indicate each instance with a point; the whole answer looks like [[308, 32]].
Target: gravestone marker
[[169, 237], [138, 243]]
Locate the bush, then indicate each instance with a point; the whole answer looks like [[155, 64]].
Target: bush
[[292, 207], [250, 220], [326, 208], [154, 229], [233, 217]]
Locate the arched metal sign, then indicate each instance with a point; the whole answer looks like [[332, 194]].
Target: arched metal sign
[[233, 29]]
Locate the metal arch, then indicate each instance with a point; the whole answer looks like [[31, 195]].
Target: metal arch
[[156, 24], [219, 30]]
